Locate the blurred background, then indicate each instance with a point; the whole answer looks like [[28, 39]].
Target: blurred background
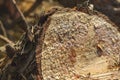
[[12, 24]]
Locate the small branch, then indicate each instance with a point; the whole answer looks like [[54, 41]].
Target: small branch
[[6, 40], [2, 49], [23, 76], [33, 7], [21, 15], [3, 29]]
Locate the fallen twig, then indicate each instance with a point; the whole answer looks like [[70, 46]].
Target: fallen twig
[[3, 29], [21, 15], [6, 40], [2, 49], [33, 7]]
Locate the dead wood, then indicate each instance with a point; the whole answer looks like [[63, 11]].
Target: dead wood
[[111, 8], [6, 39], [33, 7], [66, 45], [11, 11], [3, 29], [23, 63], [80, 46]]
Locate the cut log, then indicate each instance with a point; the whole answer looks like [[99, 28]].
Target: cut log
[[77, 44], [67, 45]]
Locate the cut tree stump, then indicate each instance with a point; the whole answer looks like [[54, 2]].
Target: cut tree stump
[[67, 45]]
